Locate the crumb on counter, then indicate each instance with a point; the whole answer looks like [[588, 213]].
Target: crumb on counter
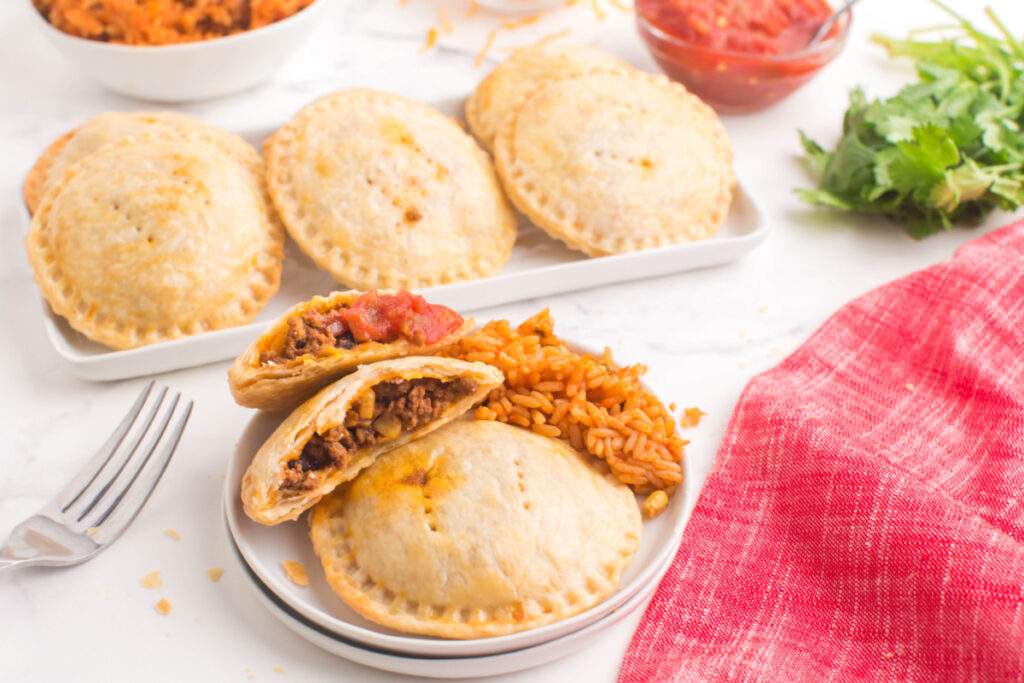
[[172, 534], [691, 417], [279, 669], [431, 40], [151, 580], [214, 573], [296, 572], [654, 504], [163, 607]]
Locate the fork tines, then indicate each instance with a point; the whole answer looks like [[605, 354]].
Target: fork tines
[[107, 494]]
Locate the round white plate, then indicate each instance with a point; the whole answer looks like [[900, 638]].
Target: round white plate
[[265, 548], [438, 667]]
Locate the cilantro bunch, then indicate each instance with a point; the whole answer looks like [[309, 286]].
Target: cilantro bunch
[[943, 151]]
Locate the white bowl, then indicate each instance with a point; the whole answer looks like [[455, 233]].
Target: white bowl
[[520, 6], [263, 549], [188, 71], [436, 666]]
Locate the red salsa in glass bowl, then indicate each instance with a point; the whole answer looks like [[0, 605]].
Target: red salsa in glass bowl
[[739, 55]]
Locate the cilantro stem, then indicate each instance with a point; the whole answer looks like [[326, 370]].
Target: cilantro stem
[[1015, 45], [932, 29], [1005, 167]]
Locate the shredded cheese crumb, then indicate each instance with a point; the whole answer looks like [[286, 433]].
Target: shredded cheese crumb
[[442, 20], [296, 572], [92, 531], [279, 669], [551, 37], [512, 24], [431, 40], [151, 580], [488, 44], [172, 534], [214, 573], [163, 607]]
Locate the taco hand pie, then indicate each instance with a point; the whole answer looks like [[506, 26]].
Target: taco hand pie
[[526, 69], [617, 162], [150, 239], [479, 529], [110, 127], [358, 169], [331, 437], [321, 340]]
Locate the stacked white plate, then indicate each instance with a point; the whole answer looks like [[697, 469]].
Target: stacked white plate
[[315, 613]]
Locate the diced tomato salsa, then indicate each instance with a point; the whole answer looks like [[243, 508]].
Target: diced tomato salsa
[[387, 317], [739, 55], [765, 27]]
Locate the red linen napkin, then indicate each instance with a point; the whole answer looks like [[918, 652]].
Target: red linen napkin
[[865, 517]]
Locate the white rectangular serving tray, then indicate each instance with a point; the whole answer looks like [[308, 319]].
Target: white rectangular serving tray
[[539, 266]]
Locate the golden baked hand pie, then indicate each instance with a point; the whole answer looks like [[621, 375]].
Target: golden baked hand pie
[[610, 163], [328, 439], [321, 340], [479, 529], [113, 126], [382, 191], [148, 239], [38, 176], [505, 88]]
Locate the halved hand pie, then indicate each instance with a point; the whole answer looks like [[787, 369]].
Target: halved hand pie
[[331, 437], [321, 340], [479, 529]]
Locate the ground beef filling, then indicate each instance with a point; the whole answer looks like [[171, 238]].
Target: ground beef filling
[[398, 407], [310, 333]]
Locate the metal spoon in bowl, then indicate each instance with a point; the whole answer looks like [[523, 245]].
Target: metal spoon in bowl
[[826, 27]]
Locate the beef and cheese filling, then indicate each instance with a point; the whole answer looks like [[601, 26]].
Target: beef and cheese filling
[[310, 333], [370, 317], [383, 413]]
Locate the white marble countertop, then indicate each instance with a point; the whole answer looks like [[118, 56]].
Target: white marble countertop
[[708, 332]]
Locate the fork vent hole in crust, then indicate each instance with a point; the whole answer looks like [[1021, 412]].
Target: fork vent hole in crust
[[390, 507]]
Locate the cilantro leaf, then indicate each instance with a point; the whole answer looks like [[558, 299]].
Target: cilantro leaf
[[944, 150]]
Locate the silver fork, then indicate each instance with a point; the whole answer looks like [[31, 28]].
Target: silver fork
[[94, 509]]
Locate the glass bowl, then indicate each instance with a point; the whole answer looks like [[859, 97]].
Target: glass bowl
[[739, 82]]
